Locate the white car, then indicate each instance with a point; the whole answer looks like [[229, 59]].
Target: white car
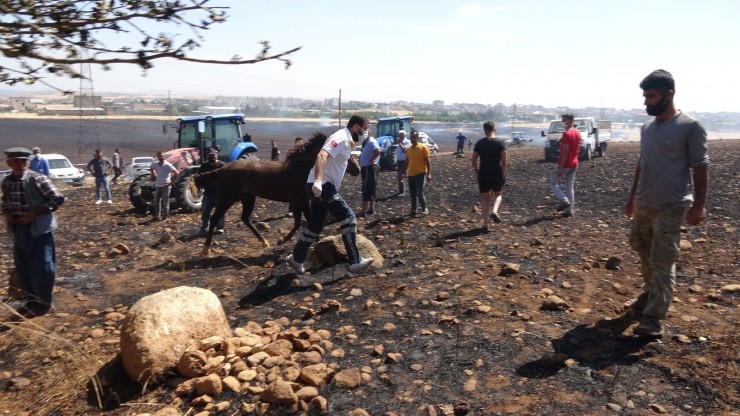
[[62, 170], [425, 139], [139, 165]]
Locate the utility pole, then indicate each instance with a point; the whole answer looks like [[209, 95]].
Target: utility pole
[[513, 116], [340, 108]]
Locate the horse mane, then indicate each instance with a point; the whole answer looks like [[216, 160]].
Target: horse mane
[[317, 140]]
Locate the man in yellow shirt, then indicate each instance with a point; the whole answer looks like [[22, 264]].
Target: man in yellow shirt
[[418, 168]]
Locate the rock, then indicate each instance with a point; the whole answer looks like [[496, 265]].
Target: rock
[[314, 375], [731, 288], [97, 333], [657, 408], [553, 303], [330, 251], [210, 385], [685, 245], [18, 383], [471, 384], [356, 292], [683, 339], [279, 392], [320, 403], [279, 348], [307, 393], [231, 383], [509, 269], [121, 248], [159, 327], [359, 412], [192, 363], [613, 263], [441, 296], [615, 407], [348, 379]]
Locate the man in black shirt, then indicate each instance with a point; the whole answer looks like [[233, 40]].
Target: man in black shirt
[[491, 174]]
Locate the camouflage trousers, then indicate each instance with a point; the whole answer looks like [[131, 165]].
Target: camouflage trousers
[[655, 237]]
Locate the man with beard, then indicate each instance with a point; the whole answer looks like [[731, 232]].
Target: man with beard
[[673, 156], [323, 190]]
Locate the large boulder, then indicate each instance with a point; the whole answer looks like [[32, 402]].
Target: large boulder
[[330, 251], [159, 327]]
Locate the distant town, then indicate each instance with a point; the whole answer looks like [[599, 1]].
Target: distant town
[[286, 107]]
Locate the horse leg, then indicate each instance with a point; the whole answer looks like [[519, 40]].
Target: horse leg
[[221, 208], [297, 209], [247, 208]]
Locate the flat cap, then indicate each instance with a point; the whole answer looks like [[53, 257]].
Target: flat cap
[[18, 153]]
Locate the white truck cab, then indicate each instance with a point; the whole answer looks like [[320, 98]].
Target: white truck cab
[[595, 136]]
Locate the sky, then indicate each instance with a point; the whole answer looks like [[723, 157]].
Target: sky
[[567, 53]]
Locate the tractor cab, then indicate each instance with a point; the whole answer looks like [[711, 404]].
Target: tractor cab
[[386, 134], [220, 132]]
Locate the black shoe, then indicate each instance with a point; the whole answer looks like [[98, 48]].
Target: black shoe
[[495, 217], [563, 206], [371, 212]]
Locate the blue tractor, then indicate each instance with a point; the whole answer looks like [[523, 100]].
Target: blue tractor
[[196, 136], [386, 134]]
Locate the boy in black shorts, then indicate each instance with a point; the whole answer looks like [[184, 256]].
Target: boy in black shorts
[[491, 174]]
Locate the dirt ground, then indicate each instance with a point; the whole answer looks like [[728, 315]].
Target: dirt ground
[[473, 341]]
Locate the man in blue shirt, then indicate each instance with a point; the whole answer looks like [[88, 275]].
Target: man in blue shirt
[[39, 163], [369, 171], [461, 142]]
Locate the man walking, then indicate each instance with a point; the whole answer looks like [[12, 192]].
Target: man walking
[[117, 162], [323, 190], [369, 170], [163, 172], [208, 202], [275, 153], [567, 163], [491, 174], [673, 157], [418, 167], [29, 200], [99, 167], [39, 163], [402, 143]]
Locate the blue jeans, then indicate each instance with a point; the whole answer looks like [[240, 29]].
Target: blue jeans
[[102, 181], [35, 264], [329, 202], [206, 206], [162, 202], [570, 184], [416, 189]]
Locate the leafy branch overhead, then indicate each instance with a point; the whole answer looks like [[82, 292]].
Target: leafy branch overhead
[[53, 37]]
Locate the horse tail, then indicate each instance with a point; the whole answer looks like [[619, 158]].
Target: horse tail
[[203, 179]]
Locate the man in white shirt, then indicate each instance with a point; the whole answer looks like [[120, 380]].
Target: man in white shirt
[[163, 173], [402, 143], [322, 187]]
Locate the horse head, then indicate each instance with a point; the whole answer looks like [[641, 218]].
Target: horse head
[[307, 151]]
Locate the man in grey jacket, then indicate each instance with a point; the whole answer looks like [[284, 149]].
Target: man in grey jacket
[[29, 200]]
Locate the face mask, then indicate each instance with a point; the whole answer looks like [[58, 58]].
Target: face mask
[[365, 134]]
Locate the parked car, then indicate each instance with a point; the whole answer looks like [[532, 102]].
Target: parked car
[[139, 165], [62, 170], [425, 139]]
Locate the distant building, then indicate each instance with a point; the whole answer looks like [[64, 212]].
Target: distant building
[[438, 103], [88, 101], [66, 110], [22, 104], [144, 107]]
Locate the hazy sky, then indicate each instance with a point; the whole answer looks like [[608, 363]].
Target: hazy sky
[[552, 53]]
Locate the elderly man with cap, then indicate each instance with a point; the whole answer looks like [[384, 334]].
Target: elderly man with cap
[[29, 200], [209, 194]]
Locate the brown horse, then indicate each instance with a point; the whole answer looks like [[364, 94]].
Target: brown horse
[[246, 179]]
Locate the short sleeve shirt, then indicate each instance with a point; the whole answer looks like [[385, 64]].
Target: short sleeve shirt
[[572, 138], [400, 154], [339, 146], [668, 149], [416, 156], [164, 172], [489, 152], [366, 157]]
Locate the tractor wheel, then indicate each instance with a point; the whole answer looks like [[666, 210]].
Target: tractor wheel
[[141, 193], [186, 194], [250, 155]]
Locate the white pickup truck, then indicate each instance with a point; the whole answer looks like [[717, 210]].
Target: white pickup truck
[[595, 137]]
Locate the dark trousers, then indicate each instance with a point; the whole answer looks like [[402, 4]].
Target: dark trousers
[[416, 189], [329, 202], [369, 182], [206, 206], [35, 264]]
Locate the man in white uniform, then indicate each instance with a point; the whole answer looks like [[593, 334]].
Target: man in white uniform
[[322, 187]]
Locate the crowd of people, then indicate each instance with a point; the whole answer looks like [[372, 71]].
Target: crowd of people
[[670, 186]]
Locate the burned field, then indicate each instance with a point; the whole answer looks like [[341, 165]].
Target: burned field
[[452, 323]]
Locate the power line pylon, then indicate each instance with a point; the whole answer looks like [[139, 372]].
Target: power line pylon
[[87, 105]]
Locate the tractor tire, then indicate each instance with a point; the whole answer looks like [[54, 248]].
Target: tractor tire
[[187, 196], [141, 193], [248, 155]]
